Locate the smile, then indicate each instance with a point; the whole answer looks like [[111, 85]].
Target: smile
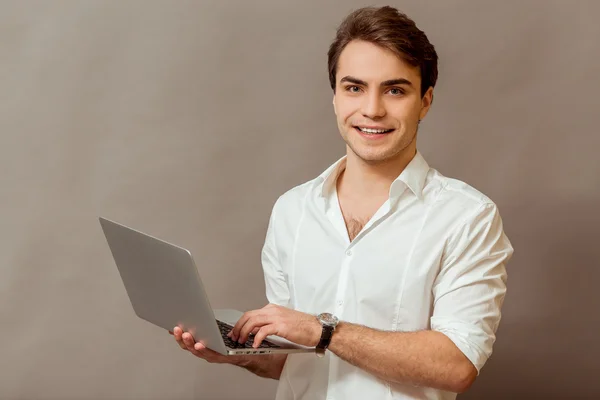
[[372, 131]]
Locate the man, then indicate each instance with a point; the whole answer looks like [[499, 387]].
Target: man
[[411, 262]]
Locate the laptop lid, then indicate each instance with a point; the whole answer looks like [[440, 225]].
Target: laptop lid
[[162, 282]]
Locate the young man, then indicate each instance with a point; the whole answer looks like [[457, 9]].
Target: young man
[[410, 262]]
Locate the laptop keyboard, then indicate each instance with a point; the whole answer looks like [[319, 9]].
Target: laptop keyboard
[[225, 329]]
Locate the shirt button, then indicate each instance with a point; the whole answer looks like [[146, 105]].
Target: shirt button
[[340, 302], [349, 253]]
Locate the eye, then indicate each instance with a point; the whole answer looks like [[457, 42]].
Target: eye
[[352, 89], [396, 92]]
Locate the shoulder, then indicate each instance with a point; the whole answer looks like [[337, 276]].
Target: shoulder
[[288, 211], [467, 217], [457, 200], [455, 190], [293, 200]]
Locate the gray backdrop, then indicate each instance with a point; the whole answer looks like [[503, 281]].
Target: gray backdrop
[[187, 119]]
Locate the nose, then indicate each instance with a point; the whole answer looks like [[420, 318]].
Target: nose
[[373, 106]]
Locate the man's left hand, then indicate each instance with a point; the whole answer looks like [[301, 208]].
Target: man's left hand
[[295, 326]]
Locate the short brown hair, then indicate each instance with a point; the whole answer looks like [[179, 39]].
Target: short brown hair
[[390, 29]]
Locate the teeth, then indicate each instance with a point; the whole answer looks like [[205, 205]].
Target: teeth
[[367, 130]]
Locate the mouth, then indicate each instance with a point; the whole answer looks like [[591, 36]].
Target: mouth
[[372, 131]]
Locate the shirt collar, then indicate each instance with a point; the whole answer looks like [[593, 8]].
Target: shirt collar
[[413, 177]]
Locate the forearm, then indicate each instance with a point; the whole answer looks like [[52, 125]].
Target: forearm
[[265, 366], [423, 358]]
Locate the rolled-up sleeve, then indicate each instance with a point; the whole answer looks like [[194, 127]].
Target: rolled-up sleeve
[[275, 283], [469, 290]]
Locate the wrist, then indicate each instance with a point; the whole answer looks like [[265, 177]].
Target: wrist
[[317, 332], [328, 324], [238, 361]]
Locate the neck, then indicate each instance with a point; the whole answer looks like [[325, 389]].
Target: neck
[[373, 179]]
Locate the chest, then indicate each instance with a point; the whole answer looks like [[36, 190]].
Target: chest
[[382, 279], [357, 214]]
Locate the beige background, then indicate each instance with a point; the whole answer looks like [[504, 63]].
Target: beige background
[[187, 119]]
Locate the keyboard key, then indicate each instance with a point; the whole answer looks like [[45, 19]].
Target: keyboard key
[[225, 329]]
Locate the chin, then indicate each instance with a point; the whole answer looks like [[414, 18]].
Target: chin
[[372, 157]]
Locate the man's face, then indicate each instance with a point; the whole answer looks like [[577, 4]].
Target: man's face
[[378, 102]]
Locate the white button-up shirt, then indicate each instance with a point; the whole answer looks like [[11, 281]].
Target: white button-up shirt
[[432, 257]]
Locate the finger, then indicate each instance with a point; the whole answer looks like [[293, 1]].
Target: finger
[[205, 351], [252, 324], [200, 350], [199, 346], [263, 333], [235, 332], [188, 341], [177, 333], [251, 333]]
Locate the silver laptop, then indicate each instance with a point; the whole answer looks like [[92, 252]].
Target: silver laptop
[[164, 288]]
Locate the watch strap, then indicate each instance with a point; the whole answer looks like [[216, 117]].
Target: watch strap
[[326, 335]]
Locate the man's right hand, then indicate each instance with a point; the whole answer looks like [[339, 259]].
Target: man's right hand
[[266, 366], [186, 341]]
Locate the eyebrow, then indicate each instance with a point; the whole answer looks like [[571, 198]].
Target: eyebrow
[[390, 82]]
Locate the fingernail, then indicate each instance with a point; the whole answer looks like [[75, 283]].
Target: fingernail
[[198, 346], [229, 334]]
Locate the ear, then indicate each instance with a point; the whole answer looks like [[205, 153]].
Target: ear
[[426, 102], [334, 109]]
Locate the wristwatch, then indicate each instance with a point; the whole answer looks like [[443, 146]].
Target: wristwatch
[[328, 322]]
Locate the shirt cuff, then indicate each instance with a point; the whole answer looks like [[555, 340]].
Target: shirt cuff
[[466, 337]]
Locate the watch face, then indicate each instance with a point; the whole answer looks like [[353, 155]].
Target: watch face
[[328, 319]]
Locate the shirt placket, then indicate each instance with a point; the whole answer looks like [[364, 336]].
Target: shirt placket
[[335, 216], [339, 312]]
